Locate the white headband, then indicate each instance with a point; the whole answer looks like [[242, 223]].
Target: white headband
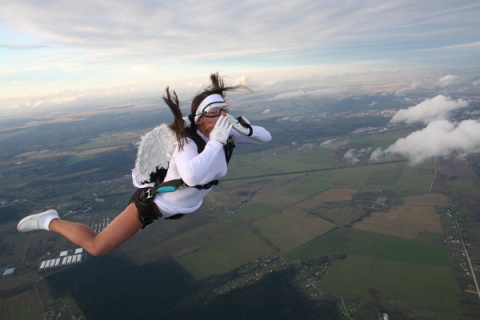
[[213, 100]]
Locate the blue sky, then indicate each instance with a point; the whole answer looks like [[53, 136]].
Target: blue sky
[[56, 53]]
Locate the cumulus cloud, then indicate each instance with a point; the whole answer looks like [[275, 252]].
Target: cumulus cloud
[[440, 138], [437, 108], [302, 93], [241, 81], [448, 80], [356, 155], [289, 95], [51, 101], [403, 91], [327, 143]]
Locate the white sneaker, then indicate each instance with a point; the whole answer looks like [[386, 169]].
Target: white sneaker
[[38, 221]]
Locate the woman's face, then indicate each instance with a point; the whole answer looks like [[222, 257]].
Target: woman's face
[[206, 123]]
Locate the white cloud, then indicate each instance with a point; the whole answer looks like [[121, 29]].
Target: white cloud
[[356, 155], [402, 92], [326, 92], [289, 95], [429, 110], [440, 138], [242, 81], [448, 80]]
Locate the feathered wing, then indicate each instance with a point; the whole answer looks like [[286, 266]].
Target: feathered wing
[[154, 150]]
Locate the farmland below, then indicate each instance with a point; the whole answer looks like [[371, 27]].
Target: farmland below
[[293, 232]]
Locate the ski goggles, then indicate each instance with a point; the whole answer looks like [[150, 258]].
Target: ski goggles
[[211, 107], [213, 112]]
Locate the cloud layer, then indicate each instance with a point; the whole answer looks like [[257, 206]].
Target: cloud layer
[[231, 27], [65, 46]]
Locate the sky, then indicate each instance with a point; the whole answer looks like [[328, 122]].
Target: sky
[[58, 53]]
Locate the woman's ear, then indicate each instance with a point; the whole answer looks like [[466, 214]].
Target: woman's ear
[[191, 117], [199, 121]]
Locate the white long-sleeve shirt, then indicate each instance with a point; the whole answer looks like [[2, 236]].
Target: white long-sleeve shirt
[[196, 169]]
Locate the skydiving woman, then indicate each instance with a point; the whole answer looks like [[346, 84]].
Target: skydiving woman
[[209, 119]]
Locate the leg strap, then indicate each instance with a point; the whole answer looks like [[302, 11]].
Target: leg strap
[[147, 210]]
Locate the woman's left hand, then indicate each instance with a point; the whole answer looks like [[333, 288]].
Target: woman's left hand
[[241, 124]]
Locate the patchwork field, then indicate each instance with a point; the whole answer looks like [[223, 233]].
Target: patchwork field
[[398, 252], [403, 221], [419, 286], [330, 195], [291, 228], [225, 255], [431, 199], [300, 204], [29, 310]]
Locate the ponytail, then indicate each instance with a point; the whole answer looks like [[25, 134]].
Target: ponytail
[[178, 124]]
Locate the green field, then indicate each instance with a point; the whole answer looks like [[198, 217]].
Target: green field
[[410, 273], [291, 228], [418, 286], [471, 186], [382, 140], [309, 215], [281, 162], [224, 256], [257, 211]]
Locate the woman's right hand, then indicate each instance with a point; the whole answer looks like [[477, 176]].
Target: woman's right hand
[[222, 130]]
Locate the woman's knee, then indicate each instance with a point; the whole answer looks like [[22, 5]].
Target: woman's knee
[[97, 250]]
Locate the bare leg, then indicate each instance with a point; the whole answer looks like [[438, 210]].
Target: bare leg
[[122, 228]]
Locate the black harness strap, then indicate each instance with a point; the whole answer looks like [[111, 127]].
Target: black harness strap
[[228, 147]]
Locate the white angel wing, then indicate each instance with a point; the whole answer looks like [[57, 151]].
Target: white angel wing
[[154, 150]]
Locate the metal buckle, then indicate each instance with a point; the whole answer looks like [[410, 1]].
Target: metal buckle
[[183, 186], [149, 194]]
